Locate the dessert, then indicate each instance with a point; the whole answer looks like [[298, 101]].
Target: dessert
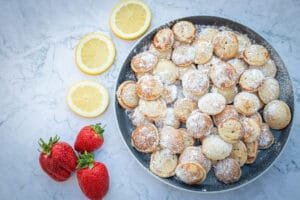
[[256, 55], [227, 170], [226, 45], [200, 100], [184, 31], [145, 138], [127, 95], [277, 114], [163, 163]]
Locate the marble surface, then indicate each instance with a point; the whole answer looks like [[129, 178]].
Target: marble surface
[[37, 41]]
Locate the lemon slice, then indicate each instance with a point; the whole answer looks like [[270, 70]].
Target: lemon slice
[[130, 19], [95, 53], [88, 98]]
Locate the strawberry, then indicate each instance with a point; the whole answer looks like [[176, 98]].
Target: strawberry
[[57, 159], [92, 176], [89, 138]]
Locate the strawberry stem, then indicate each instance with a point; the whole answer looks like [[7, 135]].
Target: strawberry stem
[[98, 129], [85, 160], [46, 147]]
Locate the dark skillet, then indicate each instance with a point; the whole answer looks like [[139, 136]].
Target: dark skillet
[[265, 157]]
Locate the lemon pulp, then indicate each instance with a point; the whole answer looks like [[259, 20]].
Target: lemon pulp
[[87, 98], [130, 18], [94, 53]]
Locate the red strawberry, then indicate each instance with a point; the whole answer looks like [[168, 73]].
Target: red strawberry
[[92, 177], [89, 138], [57, 159]]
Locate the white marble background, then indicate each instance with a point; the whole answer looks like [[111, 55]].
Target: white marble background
[[37, 40]]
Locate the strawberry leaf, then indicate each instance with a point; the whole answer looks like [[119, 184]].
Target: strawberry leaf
[[98, 129], [46, 147], [85, 160]]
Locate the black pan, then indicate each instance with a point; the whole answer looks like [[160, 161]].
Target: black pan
[[265, 157]]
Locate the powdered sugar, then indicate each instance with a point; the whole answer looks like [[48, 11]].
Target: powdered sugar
[[205, 68], [269, 69], [244, 42], [163, 39], [195, 82], [172, 139], [272, 109], [251, 129], [228, 112], [194, 154], [184, 31], [143, 62], [159, 54], [269, 90], [215, 148], [228, 93], [145, 138], [266, 138], [199, 124], [207, 33], [149, 87], [256, 55], [212, 103], [223, 75], [170, 93], [169, 119], [137, 118], [225, 45], [183, 55], [154, 110], [163, 163], [246, 103], [251, 79], [129, 94], [190, 173], [227, 170], [239, 65], [183, 70], [203, 51], [167, 71]]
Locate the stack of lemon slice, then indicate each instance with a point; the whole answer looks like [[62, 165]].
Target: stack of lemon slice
[[95, 54]]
